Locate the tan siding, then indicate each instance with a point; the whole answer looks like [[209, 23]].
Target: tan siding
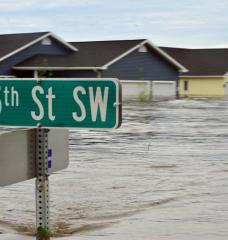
[[202, 87]]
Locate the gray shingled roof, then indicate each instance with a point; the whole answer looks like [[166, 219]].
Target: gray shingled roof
[[98, 53], [90, 54], [12, 42], [201, 62]]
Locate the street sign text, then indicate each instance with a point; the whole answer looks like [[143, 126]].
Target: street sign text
[[77, 103]]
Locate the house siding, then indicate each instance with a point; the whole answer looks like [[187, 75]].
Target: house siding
[[142, 66], [55, 48], [201, 87], [74, 74]]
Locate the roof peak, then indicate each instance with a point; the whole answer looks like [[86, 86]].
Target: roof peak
[[11, 44]]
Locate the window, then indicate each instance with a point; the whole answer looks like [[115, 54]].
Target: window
[[185, 85]]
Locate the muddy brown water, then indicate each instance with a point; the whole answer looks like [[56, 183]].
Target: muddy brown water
[[162, 175]]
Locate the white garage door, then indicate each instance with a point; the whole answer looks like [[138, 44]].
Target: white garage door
[[136, 90], [163, 89], [145, 90]]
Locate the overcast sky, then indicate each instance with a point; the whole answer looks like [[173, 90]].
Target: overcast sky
[[181, 23]]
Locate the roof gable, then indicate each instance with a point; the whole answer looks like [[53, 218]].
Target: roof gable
[[95, 55], [100, 53], [90, 55], [113, 51], [11, 44]]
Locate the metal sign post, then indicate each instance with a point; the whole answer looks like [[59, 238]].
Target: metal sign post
[[61, 103], [42, 184]]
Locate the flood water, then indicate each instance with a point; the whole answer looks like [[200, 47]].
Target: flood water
[[162, 175]]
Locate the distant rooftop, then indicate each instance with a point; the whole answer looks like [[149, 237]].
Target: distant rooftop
[[12, 42], [92, 54], [199, 62], [98, 53]]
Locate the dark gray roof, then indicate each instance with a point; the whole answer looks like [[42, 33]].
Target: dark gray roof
[[207, 62], [12, 42], [99, 53], [90, 54]]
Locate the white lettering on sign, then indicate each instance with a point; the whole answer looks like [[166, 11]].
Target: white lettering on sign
[[80, 104], [6, 93], [8, 97], [97, 102], [50, 96], [76, 103], [38, 102], [14, 97]]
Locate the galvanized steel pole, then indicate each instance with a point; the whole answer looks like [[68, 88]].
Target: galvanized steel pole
[[42, 185]]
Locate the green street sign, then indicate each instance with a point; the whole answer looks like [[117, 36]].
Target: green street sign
[[69, 103]]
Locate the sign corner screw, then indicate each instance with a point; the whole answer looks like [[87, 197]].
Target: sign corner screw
[[116, 104]]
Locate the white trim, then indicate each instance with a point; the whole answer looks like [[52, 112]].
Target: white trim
[[161, 52], [7, 76], [168, 57], [35, 41], [124, 54], [57, 68], [134, 81], [63, 42], [139, 81], [24, 47], [202, 76], [164, 81], [35, 74], [66, 79]]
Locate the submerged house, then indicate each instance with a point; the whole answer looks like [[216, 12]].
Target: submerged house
[[208, 72], [145, 70]]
